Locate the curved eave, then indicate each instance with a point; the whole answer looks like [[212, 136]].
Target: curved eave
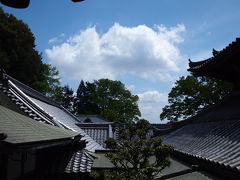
[[224, 64]]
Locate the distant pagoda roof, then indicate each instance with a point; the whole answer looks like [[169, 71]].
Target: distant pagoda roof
[[224, 64]]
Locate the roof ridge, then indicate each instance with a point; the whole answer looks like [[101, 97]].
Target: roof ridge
[[203, 67], [29, 104], [32, 92]]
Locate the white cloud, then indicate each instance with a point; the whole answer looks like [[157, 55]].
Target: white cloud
[[151, 104], [58, 39], [149, 53], [52, 40]]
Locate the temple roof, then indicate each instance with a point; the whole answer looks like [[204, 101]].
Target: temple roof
[[21, 129], [211, 136], [95, 119], [42, 109], [98, 128], [224, 64], [214, 142]]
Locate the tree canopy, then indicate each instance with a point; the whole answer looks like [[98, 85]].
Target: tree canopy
[[85, 102], [19, 56], [107, 98], [192, 94], [137, 156], [65, 95]]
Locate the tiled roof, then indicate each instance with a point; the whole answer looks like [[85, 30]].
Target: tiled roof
[[97, 128], [235, 45], [179, 170], [93, 118], [21, 129], [43, 109], [62, 116], [31, 92], [25, 104], [223, 65], [81, 161], [6, 102], [176, 170], [100, 132], [216, 142], [161, 126], [226, 109]]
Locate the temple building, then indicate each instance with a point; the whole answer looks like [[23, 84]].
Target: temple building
[[98, 128], [40, 139], [210, 140], [33, 150], [224, 64], [37, 108]]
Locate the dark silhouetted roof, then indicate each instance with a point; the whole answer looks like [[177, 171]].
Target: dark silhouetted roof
[[223, 65]]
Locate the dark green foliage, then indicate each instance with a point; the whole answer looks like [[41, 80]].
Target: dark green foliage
[[136, 156], [85, 103], [192, 94], [65, 95], [19, 56], [51, 83], [107, 98]]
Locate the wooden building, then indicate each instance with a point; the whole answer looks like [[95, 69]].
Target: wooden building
[[99, 129], [41, 109], [33, 150], [211, 140]]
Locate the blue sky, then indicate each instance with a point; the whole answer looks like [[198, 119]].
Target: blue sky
[[144, 43]]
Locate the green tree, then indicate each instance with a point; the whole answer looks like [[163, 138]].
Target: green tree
[[192, 94], [50, 83], [19, 56], [84, 102], [109, 99], [65, 95], [137, 156]]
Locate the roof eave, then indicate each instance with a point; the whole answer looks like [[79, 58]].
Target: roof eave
[[26, 146]]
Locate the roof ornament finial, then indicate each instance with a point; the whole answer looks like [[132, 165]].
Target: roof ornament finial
[[215, 52], [190, 63]]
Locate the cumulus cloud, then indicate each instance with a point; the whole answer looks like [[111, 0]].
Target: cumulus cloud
[[151, 104], [149, 53]]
